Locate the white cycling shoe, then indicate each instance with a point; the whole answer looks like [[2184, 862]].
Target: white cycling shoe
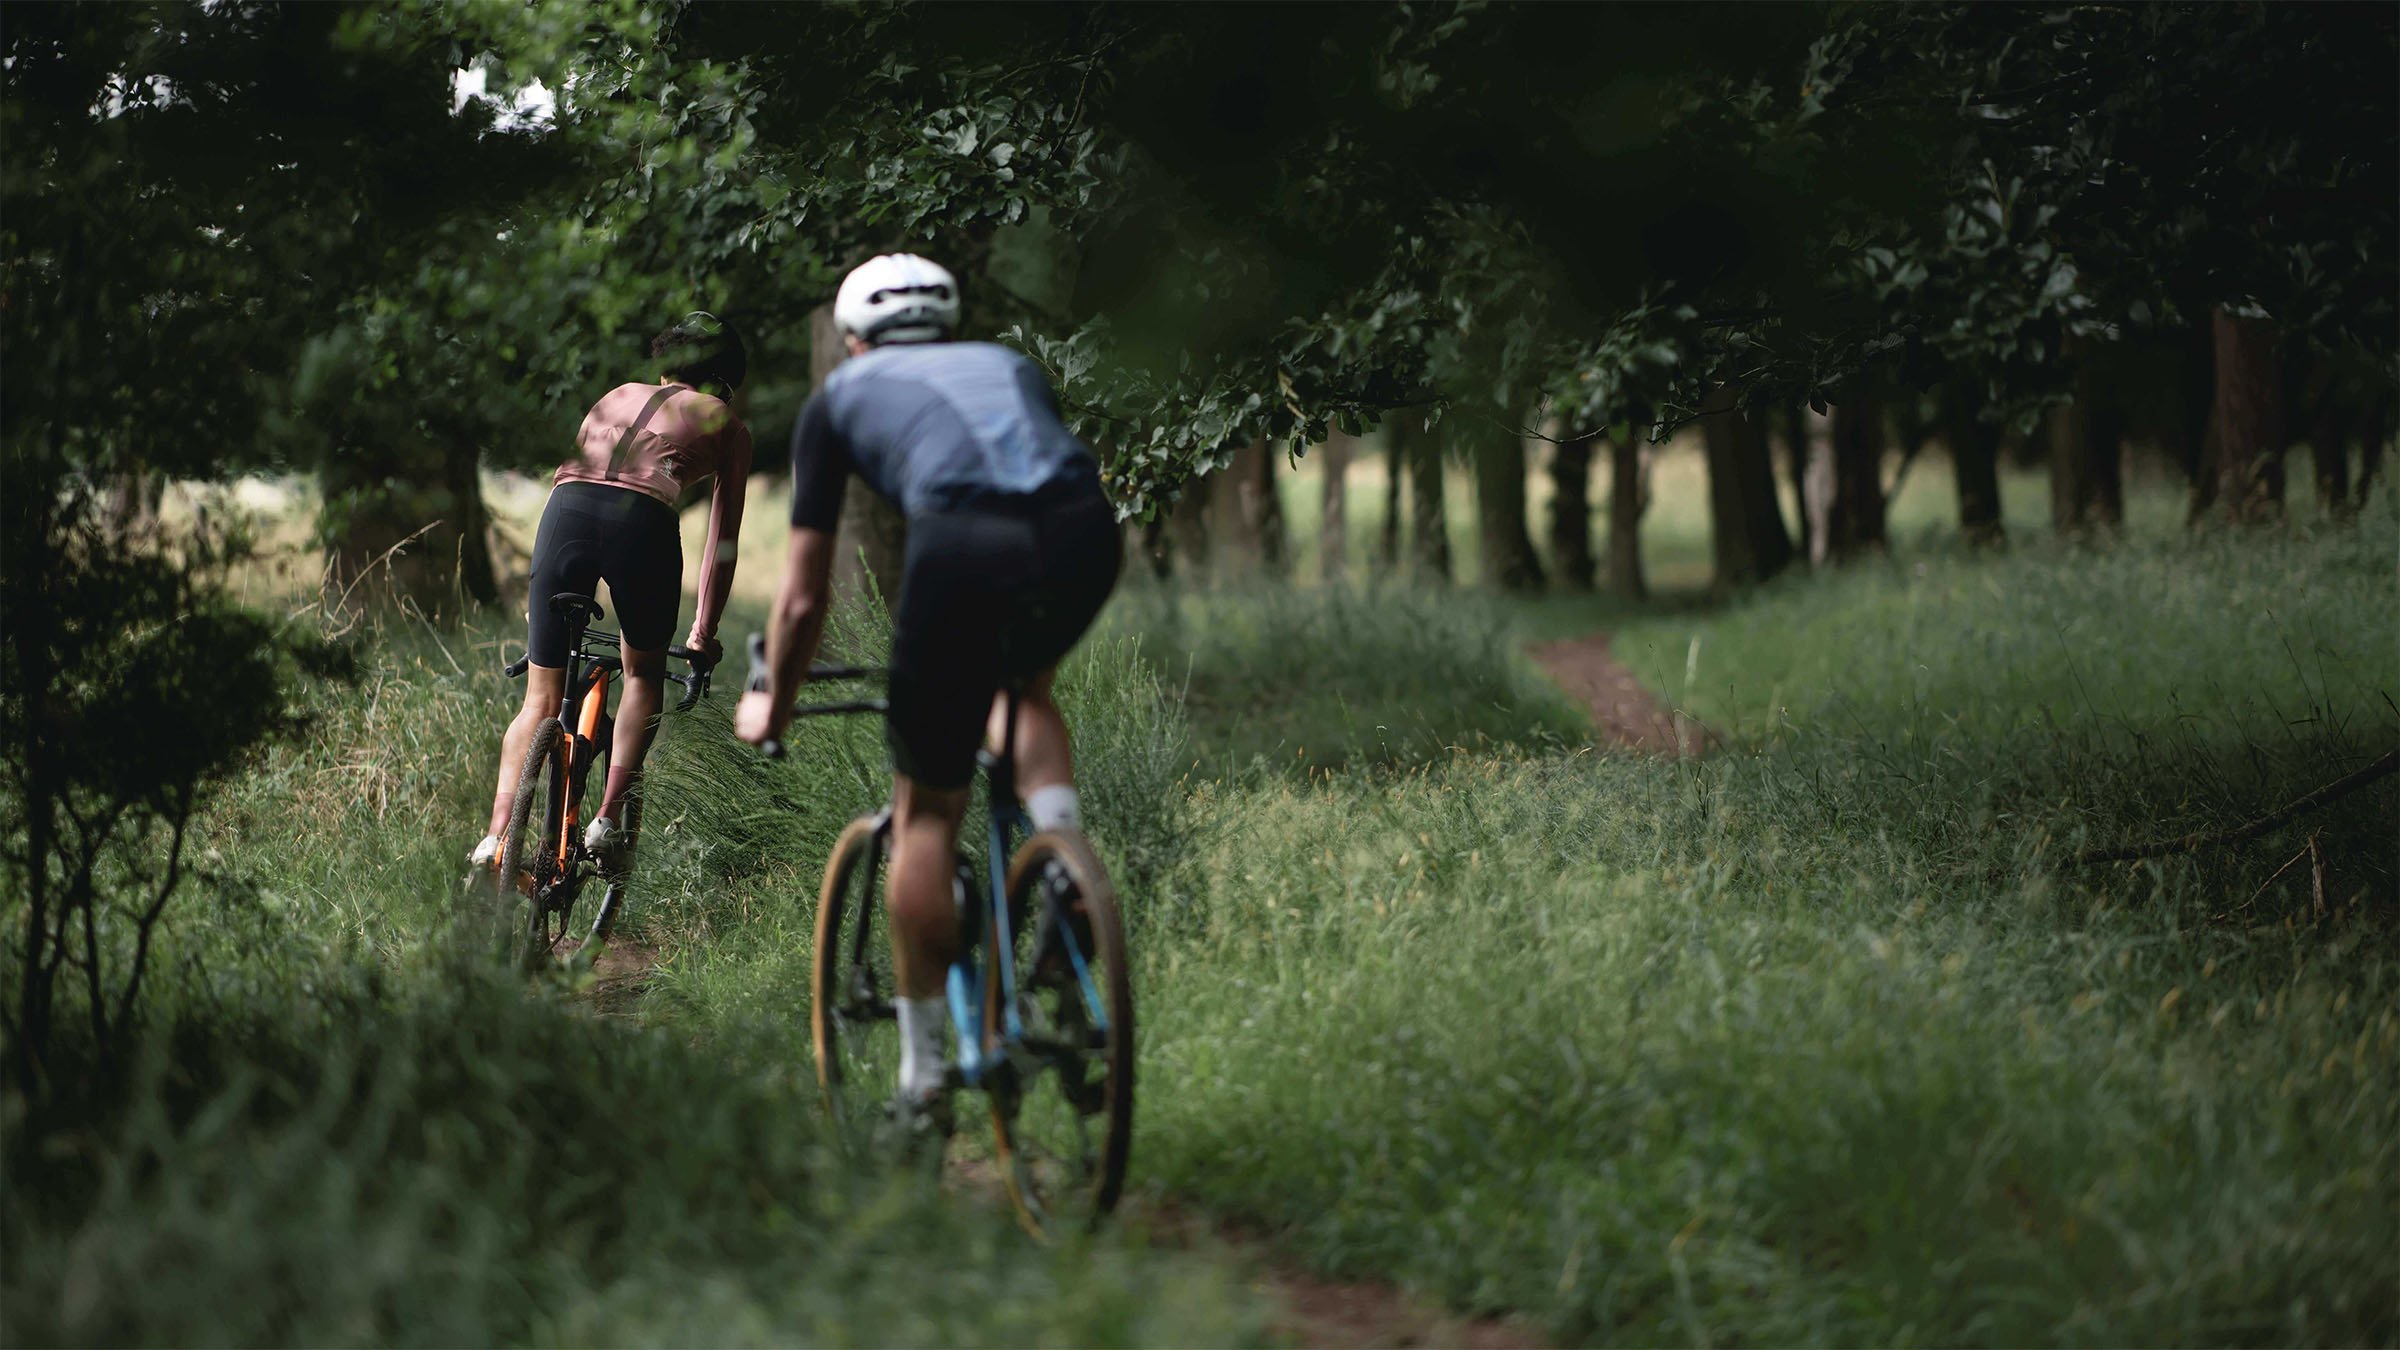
[[485, 854], [605, 840]]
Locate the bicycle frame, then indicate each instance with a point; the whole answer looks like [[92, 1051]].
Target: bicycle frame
[[967, 983], [584, 708], [586, 728]]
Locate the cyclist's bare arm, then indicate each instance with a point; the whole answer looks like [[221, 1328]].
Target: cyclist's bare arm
[[723, 548], [793, 631]]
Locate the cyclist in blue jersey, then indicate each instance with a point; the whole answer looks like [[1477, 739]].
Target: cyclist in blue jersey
[[1012, 549]]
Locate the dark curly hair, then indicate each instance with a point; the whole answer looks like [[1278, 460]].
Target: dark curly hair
[[703, 351]]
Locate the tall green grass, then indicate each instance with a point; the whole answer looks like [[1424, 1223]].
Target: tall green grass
[[1381, 676], [1821, 1038], [345, 1131], [1824, 1038]]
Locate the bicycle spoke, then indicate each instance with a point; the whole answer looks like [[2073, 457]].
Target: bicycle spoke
[[1064, 1126]]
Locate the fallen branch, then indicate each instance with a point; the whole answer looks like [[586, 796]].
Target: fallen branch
[[2339, 787]]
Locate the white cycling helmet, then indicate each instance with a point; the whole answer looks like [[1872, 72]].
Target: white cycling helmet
[[897, 297]]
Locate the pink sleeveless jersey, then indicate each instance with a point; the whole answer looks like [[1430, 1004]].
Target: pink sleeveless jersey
[[688, 437]]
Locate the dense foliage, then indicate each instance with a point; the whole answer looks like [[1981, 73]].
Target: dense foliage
[[1211, 224]]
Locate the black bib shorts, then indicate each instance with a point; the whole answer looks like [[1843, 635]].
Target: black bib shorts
[[993, 593], [591, 533]]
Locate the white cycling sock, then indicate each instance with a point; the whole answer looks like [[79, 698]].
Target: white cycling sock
[[1055, 807], [921, 1023]]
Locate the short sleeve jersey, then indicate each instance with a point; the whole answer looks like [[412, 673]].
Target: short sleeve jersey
[[932, 427]]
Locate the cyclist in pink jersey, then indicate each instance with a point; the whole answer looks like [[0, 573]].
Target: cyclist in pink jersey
[[612, 517]]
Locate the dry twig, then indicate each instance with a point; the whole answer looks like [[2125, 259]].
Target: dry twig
[[2198, 839]]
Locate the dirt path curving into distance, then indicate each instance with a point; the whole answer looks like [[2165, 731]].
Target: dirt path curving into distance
[[1625, 713], [1310, 1310]]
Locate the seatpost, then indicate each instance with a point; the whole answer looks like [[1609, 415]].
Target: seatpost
[[1004, 773]]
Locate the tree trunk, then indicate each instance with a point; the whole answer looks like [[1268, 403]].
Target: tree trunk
[[2087, 450], [476, 575], [1506, 543], [1395, 458], [406, 527], [2032, 450], [1745, 519], [1794, 425], [1429, 523], [2190, 440], [1333, 522], [1975, 459], [1571, 512], [2329, 426], [1249, 514], [2249, 420], [1854, 519], [132, 503], [1264, 502], [1817, 485], [2375, 429], [1154, 547], [1187, 527], [1628, 498], [1909, 427], [870, 543]]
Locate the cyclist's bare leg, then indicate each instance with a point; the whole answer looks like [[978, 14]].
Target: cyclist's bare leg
[[637, 721], [924, 860], [1045, 753], [544, 687]]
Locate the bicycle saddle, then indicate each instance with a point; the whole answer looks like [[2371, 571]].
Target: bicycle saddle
[[581, 610]]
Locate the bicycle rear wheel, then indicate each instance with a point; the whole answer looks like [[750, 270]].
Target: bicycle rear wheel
[[530, 878], [1062, 1094], [852, 986]]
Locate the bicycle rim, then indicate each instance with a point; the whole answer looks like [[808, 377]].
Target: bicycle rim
[[529, 874], [1062, 1098], [852, 983]]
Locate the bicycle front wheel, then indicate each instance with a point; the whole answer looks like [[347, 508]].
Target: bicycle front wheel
[[852, 986], [530, 878], [1062, 1089]]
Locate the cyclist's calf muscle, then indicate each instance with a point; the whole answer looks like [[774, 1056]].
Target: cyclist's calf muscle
[[545, 686]]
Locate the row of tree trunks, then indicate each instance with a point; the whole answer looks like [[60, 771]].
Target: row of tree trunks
[[1249, 509], [1333, 521], [2087, 454], [397, 534], [1572, 562], [1497, 453], [1975, 464], [1853, 522], [2249, 419], [1571, 513], [1746, 526], [1628, 498], [1429, 516], [1798, 428]]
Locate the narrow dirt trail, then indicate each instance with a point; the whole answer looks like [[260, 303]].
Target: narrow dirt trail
[[1625, 712], [1307, 1309]]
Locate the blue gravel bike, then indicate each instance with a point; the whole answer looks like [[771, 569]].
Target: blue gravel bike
[[1040, 997]]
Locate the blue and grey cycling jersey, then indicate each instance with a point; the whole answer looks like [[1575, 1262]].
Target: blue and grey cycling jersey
[[933, 427]]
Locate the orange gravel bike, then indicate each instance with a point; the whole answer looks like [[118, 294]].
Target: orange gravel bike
[[543, 862]]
